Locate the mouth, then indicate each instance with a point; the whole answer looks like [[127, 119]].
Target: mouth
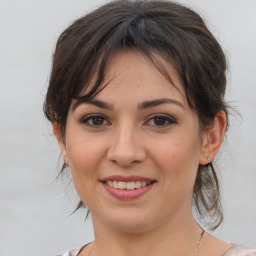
[[127, 188], [131, 185]]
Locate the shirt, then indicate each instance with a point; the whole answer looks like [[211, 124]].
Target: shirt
[[235, 250]]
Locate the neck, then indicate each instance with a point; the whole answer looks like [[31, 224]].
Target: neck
[[177, 237]]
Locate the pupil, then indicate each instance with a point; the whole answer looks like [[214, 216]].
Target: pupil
[[159, 120], [97, 120]]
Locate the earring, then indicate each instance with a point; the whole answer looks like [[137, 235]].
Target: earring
[[66, 162], [209, 160]]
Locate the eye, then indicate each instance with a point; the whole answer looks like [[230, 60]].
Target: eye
[[94, 120], [160, 121]]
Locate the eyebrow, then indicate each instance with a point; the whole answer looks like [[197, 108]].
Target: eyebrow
[[97, 103], [141, 106], [154, 103]]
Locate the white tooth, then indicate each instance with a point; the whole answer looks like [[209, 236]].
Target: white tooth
[[121, 185], [115, 184], [143, 183], [131, 185], [110, 183], [137, 184]]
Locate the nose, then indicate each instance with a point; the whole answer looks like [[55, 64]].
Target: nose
[[126, 147]]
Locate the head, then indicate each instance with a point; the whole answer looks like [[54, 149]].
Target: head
[[168, 35]]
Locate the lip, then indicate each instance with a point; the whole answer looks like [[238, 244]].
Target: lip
[[127, 178], [124, 194]]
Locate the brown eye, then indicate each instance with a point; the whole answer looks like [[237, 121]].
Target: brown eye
[[97, 120], [94, 120], [159, 120]]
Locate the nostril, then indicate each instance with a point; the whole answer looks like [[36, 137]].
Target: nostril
[[124, 158], [126, 155]]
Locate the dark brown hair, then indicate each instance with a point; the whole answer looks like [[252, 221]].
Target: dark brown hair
[[177, 33]]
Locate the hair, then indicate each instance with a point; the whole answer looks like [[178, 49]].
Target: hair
[[176, 32]]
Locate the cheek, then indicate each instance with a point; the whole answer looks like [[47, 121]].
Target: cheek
[[84, 154], [174, 148], [177, 157]]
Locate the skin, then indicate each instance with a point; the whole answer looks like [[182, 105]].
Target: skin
[[161, 142]]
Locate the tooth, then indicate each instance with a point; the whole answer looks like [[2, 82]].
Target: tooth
[[127, 185], [131, 185], [121, 185], [109, 183], [137, 184], [143, 183], [115, 184]]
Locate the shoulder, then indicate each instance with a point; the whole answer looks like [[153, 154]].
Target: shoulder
[[237, 250], [73, 252]]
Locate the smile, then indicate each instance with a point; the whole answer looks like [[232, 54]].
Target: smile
[[127, 188], [128, 185]]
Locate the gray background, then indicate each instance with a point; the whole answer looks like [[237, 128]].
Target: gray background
[[34, 207]]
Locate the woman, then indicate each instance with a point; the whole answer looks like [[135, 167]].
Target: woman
[[136, 99]]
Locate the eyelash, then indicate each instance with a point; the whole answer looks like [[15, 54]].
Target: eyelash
[[166, 118], [85, 120]]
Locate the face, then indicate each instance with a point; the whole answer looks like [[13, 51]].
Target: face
[[134, 149]]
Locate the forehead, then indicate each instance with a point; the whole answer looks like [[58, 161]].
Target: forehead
[[134, 70]]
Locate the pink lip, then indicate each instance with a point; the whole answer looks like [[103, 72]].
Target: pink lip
[[125, 194], [127, 178]]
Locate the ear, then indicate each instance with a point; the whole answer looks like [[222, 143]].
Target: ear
[[213, 138], [57, 133]]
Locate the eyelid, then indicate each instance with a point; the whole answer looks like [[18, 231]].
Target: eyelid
[[84, 120], [169, 118]]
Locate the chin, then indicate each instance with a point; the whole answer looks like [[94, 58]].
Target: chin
[[130, 221], [132, 227]]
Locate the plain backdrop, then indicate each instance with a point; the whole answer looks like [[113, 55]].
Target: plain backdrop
[[35, 208]]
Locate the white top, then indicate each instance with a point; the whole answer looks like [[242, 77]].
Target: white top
[[235, 250]]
